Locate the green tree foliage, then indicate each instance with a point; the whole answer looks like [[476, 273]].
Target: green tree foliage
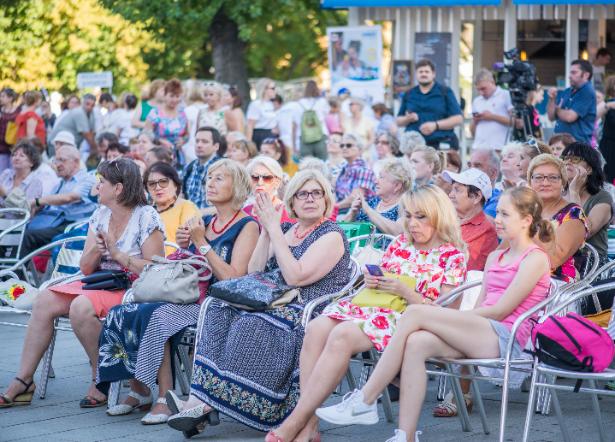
[[45, 43]]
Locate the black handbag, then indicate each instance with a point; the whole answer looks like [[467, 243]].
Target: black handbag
[[106, 280], [256, 291]]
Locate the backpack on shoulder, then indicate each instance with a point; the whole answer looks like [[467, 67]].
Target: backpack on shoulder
[[311, 129], [572, 343]]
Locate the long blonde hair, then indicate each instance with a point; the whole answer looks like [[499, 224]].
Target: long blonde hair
[[438, 208]]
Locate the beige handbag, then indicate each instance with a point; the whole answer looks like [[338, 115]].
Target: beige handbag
[[369, 254], [165, 280], [16, 199]]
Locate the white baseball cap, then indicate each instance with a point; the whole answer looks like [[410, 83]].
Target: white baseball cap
[[66, 137], [471, 177]]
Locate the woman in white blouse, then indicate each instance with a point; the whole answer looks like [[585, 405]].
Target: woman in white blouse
[[261, 113]]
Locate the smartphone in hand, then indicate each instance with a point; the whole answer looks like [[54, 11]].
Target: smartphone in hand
[[374, 270]]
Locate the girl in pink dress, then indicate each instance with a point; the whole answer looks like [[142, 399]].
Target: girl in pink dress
[[516, 279]]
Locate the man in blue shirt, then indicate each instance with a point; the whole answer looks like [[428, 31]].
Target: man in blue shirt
[[68, 202], [574, 110], [431, 109], [208, 142], [487, 161]]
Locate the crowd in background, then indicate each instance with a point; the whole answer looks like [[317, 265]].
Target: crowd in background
[[183, 163]]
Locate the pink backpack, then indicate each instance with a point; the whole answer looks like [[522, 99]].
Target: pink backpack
[[573, 343]]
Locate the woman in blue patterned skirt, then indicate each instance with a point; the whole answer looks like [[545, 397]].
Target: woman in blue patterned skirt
[[247, 363]]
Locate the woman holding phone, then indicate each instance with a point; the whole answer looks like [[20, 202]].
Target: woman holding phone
[[431, 251]]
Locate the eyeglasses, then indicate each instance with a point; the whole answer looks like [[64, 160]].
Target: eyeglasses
[[266, 178], [573, 159], [162, 182], [271, 87], [315, 194], [550, 178], [386, 142], [347, 145]]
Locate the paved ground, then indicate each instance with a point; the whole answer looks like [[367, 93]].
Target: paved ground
[[58, 417]]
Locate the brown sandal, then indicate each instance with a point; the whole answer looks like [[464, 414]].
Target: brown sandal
[[23, 398], [92, 402]]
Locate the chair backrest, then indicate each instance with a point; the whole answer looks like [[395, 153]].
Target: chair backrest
[[586, 261], [12, 229]]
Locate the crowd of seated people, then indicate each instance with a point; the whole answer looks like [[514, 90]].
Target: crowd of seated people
[[525, 208]]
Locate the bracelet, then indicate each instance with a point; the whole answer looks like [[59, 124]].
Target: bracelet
[[437, 125]]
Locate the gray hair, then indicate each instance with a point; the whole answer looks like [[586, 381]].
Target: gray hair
[[513, 146], [399, 171], [409, 140], [315, 164], [492, 157], [70, 151], [88, 97], [483, 74], [269, 163], [356, 138]]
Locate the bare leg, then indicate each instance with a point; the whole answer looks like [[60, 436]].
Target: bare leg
[[345, 340], [165, 380], [47, 307], [87, 327], [472, 335], [316, 335], [420, 346]]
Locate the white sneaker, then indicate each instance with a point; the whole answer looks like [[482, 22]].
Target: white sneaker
[[400, 436], [352, 410]]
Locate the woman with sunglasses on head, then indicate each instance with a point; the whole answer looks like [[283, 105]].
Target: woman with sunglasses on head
[[530, 150], [164, 187], [548, 177], [246, 363], [266, 175], [147, 333], [216, 114], [261, 113], [275, 148], [586, 188], [124, 234], [241, 151]]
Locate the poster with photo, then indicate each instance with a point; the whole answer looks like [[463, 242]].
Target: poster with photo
[[355, 58], [402, 76]]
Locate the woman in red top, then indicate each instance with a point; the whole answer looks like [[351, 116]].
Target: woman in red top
[[29, 123]]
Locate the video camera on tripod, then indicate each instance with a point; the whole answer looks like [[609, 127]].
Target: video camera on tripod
[[519, 77]]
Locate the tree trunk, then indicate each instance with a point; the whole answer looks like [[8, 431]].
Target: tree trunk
[[228, 53]]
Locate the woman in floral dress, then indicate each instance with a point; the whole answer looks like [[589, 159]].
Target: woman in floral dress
[[431, 251]]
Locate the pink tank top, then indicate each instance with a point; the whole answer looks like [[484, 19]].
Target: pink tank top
[[497, 279]]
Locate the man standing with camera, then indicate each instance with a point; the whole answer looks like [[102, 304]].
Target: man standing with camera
[[574, 110], [431, 109], [491, 116]]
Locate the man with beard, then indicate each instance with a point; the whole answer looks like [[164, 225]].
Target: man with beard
[[431, 109]]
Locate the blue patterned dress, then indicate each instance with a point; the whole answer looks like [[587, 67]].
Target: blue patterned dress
[[247, 363], [131, 344]]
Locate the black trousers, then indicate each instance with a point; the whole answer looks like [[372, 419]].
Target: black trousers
[[34, 239]]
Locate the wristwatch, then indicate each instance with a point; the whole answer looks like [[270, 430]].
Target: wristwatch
[[204, 249]]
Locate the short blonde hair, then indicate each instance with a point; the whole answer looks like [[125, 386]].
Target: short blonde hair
[[438, 208], [193, 92], [247, 146], [261, 87], [431, 155], [272, 165], [399, 171], [298, 181], [552, 160], [241, 180], [215, 87]]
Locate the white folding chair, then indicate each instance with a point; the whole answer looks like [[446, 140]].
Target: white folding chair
[[545, 377], [12, 230]]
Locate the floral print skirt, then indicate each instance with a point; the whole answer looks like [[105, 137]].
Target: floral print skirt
[[377, 323]]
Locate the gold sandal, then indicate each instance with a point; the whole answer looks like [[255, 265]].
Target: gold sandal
[[24, 398], [448, 407]]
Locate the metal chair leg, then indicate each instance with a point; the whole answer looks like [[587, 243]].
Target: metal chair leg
[[560, 417], [47, 363], [180, 376], [441, 388], [462, 410], [478, 399], [504, 407], [530, 407], [186, 363], [387, 406], [597, 414]]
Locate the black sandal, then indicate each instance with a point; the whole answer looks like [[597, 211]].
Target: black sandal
[[92, 402], [23, 398]]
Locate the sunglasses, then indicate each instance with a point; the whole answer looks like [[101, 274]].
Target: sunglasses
[[163, 183], [266, 178], [347, 145]]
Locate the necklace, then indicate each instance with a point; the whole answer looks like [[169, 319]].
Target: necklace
[[308, 231], [168, 208], [213, 223]]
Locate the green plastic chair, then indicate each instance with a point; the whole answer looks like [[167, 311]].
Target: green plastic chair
[[352, 229]]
